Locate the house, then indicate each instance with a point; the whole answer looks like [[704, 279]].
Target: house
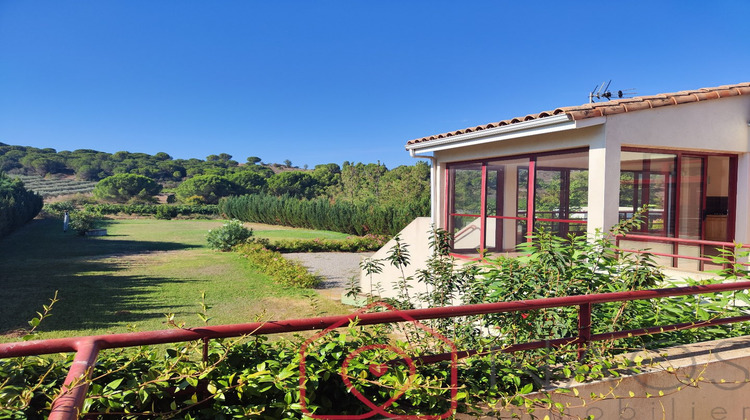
[[581, 169]]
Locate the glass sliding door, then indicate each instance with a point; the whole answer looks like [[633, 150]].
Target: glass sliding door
[[690, 196]]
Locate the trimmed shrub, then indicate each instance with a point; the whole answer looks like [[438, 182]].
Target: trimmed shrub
[[151, 209], [350, 244], [277, 267], [230, 234], [322, 214]]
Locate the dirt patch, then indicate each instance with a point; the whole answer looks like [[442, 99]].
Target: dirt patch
[[14, 334]]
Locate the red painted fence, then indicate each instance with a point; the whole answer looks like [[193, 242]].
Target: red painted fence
[[70, 402]]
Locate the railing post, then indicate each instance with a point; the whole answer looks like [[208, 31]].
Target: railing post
[[584, 328], [205, 348], [68, 405]]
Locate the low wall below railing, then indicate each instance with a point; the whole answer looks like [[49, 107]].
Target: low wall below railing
[[703, 381]]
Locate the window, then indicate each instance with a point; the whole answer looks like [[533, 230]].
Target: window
[[488, 204]]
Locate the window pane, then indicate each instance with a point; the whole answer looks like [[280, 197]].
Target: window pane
[[562, 192], [467, 189], [691, 197], [466, 232], [648, 179], [503, 190]]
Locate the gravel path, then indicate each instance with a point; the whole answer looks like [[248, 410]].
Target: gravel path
[[336, 268]]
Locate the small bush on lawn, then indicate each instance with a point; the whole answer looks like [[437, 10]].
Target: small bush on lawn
[[230, 234], [279, 268], [81, 222]]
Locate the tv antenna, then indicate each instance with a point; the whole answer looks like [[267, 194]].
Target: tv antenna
[[602, 92]]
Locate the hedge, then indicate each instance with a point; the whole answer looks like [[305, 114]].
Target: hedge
[[151, 209], [17, 204], [322, 214]]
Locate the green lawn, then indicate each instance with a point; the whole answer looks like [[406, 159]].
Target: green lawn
[[143, 269]]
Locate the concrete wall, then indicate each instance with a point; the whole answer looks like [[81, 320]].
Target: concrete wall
[[716, 125], [704, 381], [416, 236]]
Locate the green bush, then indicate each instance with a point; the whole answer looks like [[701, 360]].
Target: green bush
[[81, 222], [322, 214], [151, 209], [209, 188], [230, 234], [165, 212], [124, 187], [259, 379], [350, 244], [17, 204], [275, 265]]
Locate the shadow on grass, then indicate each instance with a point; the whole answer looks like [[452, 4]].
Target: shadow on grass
[[94, 293]]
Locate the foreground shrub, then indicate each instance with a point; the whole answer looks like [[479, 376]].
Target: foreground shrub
[[276, 266], [256, 380], [229, 235]]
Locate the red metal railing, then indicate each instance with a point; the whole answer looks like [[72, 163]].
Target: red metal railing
[[675, 242], [68, 405]]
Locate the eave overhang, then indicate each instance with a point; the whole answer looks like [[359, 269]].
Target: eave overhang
[[546, 125]]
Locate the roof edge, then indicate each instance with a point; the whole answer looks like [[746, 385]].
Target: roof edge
[[600, 109]]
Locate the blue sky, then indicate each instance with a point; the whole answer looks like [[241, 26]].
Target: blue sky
[[320, 81]]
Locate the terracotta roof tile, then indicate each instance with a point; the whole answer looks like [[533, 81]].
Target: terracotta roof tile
[[617, 106]]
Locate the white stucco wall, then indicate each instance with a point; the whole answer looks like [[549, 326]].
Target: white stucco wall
[[718, 125]]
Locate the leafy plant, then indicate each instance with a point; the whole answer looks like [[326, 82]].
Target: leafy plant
[[17, 204], [165, 212], [81, 222], [228, 235], [350, 244], [124, 187], [275, 265]]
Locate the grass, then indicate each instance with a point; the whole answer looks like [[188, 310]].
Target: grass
[[143, 269]]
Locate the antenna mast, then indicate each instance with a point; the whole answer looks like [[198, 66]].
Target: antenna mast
[[602, 92]]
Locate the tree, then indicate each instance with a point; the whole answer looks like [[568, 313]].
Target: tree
[[326, 176], [288, 163], [250, 182], [293, 183], [252, 160], [126, 187], [206, 188]]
